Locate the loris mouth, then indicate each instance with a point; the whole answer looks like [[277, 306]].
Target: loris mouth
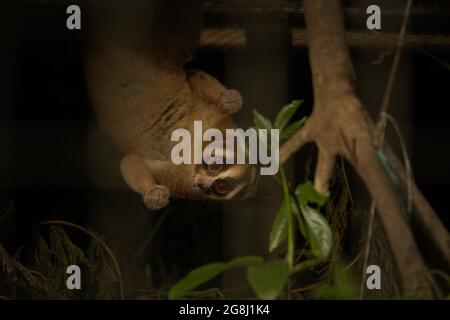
[[218, 181], [224, 187], [214, 186]]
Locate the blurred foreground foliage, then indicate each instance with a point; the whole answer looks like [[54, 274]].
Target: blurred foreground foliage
[[38, 271]]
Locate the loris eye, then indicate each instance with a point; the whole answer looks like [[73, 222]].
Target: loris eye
[[214, 167], [221, 187]]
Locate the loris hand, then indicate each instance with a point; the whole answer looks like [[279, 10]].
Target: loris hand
[[138, 176], [156, 197], [230, 101], [209, 88]]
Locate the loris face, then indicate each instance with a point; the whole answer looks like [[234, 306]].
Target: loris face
[[224, 181]]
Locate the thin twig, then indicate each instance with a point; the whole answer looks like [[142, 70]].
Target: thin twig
[[367, 249], [392, 75], [149, 239], [294, 143], [381, 129], [347, 185], [433, 57], [408, 167], [347, 267]]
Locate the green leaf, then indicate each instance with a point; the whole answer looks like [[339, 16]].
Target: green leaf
[[306, 193], [329, 292], [279, 229], [304, 265], [244, 262], [292, 129], [315, 227], [444, 276], [195, 278], [286, 114], [296, 213], [302, 225], [261, 122], [344, 285], [278, 233], [319, 232], [205, 273], [268, 279]]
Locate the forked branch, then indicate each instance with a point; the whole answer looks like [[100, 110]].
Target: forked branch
[[340, 126]]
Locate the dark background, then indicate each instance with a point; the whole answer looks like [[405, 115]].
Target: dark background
[[55, 164]]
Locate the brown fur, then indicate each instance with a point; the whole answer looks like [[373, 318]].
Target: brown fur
[[140, 98]]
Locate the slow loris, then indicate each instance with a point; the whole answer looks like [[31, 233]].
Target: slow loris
[[141, 93]]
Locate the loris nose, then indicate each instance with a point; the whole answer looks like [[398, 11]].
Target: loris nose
[[204, 182]]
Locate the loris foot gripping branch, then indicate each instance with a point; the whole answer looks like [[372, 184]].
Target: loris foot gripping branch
[[221, 152]]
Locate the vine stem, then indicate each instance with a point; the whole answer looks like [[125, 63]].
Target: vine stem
[[291, 245]]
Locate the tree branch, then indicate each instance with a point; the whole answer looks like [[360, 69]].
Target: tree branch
[[424, 215], [339, 126]]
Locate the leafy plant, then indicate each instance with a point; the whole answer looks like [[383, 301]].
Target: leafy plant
[[268, 279], [40, 276], [205, 273], [342, 285]]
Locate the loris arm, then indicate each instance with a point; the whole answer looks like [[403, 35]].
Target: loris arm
[[210, 89], [139, 178]]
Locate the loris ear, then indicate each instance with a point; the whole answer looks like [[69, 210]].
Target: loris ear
[[211, 90]]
